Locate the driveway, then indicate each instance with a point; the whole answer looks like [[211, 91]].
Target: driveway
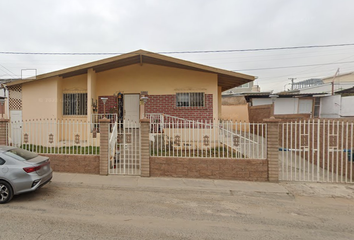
[[76, 206]]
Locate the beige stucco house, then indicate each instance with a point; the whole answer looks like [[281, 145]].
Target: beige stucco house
[[172, 86]]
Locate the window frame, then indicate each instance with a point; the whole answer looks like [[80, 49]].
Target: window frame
[[316, 107], [191, 100], [75, 104]]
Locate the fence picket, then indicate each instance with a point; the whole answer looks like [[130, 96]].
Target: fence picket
[[351, 152], [175, 137], [54, 136]]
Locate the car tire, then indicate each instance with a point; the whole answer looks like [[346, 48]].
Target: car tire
[[6, 192]]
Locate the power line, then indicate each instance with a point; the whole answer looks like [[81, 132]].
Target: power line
[[8, 71], [185, 52], [296, 66], [264, 49], [311, 69]]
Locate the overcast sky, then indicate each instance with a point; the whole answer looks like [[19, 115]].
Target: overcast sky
[[112, 26]]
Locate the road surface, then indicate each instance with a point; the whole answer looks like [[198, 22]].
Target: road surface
[[82, 210]]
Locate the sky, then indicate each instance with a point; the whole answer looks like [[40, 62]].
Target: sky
[[117, 26]]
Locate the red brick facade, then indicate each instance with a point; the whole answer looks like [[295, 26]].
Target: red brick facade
[[111, 104], [232, 169], [167, 104]]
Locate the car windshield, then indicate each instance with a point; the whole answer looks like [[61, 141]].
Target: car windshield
[[20, 154]]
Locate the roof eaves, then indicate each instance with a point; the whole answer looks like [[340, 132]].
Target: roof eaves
[[84, 67]]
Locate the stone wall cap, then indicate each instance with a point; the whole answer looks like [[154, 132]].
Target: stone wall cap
[[145, 120], [104, 120], [272, 120]]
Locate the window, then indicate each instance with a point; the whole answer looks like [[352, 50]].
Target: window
[[190, 100], [316, 112], [75, 104], [2, 161]]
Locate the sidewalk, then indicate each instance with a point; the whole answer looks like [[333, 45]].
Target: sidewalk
[[227, 186], [118, 181]]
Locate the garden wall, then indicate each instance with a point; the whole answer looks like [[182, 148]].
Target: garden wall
[[232, 169], [74, 163]]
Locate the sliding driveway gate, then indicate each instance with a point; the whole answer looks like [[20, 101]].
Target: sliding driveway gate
[[316, 151]]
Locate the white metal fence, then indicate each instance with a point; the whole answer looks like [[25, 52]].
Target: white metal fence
[[55, 136], [176, 137], [125, 145], [317, 151]]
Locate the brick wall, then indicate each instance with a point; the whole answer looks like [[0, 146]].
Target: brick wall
[[273, 148], [287, 117], [167, 104], [145, 151], [111, 104], [74, 163], [104, 148], [256, 114], [232, 169], [4, 131]]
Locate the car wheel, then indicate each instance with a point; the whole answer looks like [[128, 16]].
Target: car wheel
[[6, 193]]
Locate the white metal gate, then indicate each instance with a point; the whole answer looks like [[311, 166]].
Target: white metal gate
[[125, 149], [317, 151]]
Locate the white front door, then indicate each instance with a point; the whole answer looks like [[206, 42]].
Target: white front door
[[16, 127], [131, 107]]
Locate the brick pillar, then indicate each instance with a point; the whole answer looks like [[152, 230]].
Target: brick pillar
[[104, 149], [273, 148], [4, 131], [145, 150]]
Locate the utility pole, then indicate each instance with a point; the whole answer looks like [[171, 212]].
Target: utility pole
[[335, 75], [292, 83]]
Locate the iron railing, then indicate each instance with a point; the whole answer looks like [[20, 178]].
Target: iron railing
[[176, 137], [55, 136]]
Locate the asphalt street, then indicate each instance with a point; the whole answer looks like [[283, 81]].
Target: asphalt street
[[75, 206]]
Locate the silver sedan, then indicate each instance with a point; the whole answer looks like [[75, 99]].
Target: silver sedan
[[21, 171]]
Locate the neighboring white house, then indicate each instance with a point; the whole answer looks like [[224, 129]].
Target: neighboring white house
[[284, 103], [318, 106], [337, 106], [329, 104]]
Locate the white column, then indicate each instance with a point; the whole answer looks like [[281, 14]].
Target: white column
[[91, 91]]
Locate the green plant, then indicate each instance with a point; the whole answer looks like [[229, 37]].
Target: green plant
[[62, 150]]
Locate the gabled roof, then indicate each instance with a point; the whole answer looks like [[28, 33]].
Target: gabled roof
[[226, 79], [249, 96]]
